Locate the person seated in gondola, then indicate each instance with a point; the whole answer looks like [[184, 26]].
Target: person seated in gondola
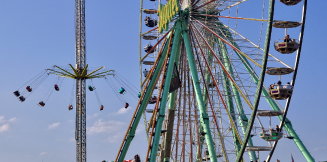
[[149, 22], [126, 105], [41, 103], [101, 107], [56, 87], [16, 93], [21, 98], [287, 86], [287, 38], [148, 48], [145, 72], [29, 89], [272, 86], [139, 95], [279, 84], [70, 107], [278, 129], [153, 100], [121, 90]]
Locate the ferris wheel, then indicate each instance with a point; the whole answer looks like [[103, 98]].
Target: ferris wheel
[[217, 79]]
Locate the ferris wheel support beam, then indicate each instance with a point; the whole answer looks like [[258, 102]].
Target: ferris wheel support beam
[[205, 99], [171, 115], [207, 63], [143, 102], [242, 119], [260, 87], [168, 76], [204, 119]]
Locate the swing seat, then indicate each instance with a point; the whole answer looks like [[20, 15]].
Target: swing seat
[[126, 105], [56, 87], [16, 93], [91, 88], [70, 107], [121, 90], [41, 103], [21, 98], [29, 89]]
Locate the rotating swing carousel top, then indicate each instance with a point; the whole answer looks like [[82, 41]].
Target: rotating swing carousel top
[[219, 95]]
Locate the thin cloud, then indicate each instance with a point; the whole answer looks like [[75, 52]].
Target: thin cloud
[[108, 127], [122, 110], [43, 153], [4, 127], [6, 124], [54, 125]]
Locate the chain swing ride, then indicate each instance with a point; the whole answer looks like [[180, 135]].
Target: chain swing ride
[[80, 73]]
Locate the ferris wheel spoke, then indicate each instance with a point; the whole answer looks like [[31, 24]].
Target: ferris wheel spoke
[[227, 42], [224, 69], [229, 17], [233, 5], [257, 46], [231, 119], [221, 138], [149, 31]]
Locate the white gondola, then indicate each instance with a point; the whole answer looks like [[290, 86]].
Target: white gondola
[[287, 47], [280, 92]]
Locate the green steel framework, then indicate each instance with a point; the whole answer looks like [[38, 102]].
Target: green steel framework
[[169, 55]]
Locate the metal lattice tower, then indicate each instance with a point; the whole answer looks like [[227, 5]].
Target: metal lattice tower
[[80, 134]]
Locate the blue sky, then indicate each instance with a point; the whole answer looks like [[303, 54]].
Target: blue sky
[[35, 35]]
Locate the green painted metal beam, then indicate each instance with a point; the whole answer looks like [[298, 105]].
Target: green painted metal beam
[[145, 98], [242, 118], [171, 113], [204, 119], [162, 109]]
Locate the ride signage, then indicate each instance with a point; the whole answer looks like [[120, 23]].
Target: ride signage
[[166, 13]]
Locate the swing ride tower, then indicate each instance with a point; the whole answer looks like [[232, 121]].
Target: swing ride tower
[[216, 100], [80, 132], [80, 74]]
